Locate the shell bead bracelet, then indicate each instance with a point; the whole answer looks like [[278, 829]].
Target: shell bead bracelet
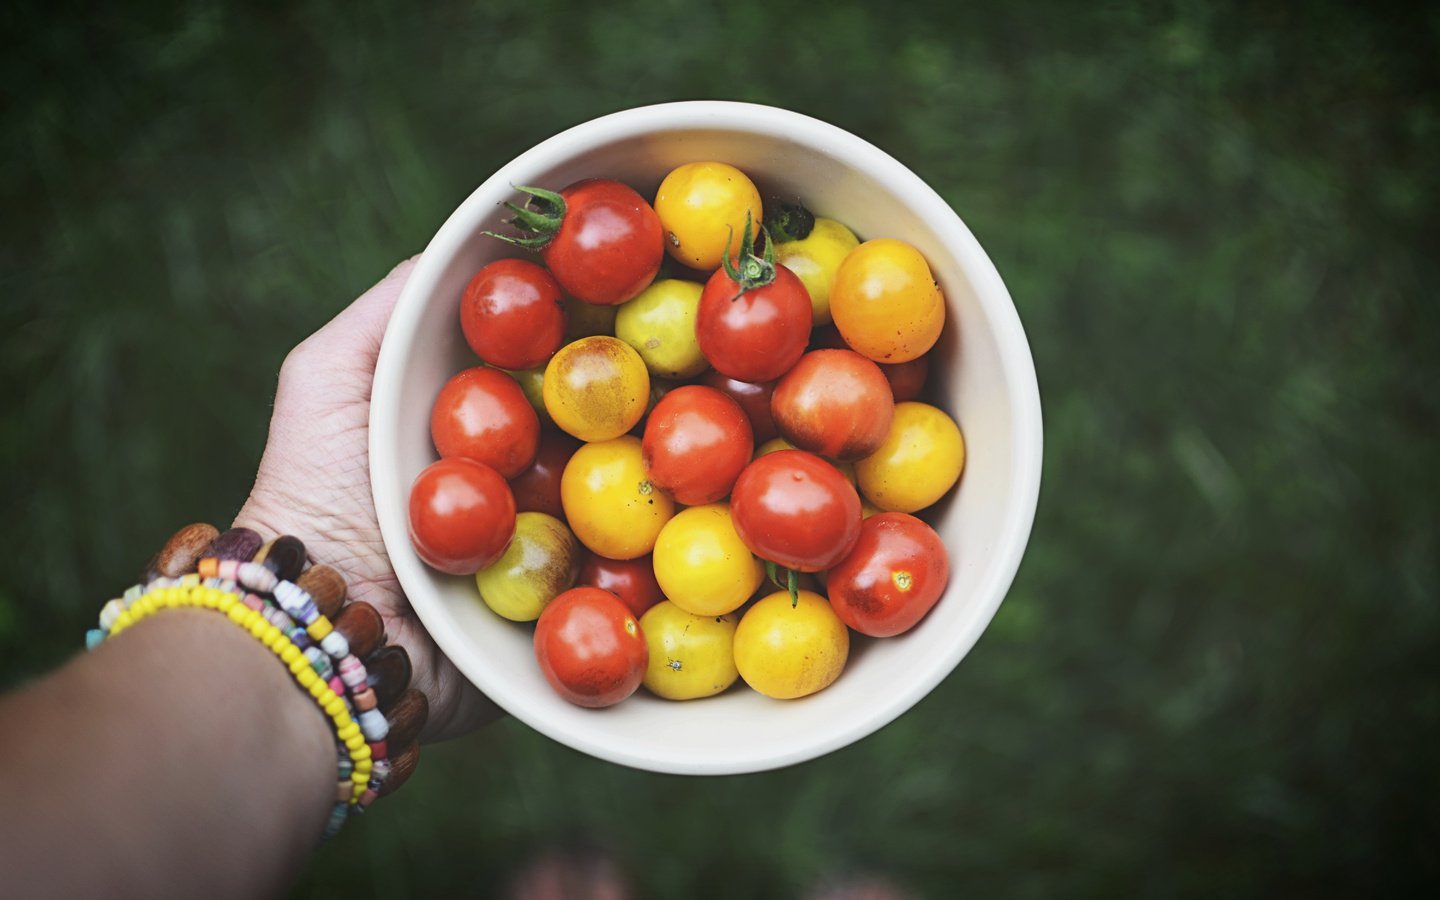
[[332, 649]]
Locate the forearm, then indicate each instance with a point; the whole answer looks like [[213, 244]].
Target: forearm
[[178, 759]]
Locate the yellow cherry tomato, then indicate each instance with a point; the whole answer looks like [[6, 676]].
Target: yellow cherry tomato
[[921, 458], [886, 303], [702, 565], [541, 563], [660, 324], [786, 652], [610, 503], [596, 388], [690, 656], [815, 258], [702, 207]]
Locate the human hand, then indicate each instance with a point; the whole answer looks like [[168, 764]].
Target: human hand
[[314, 483]]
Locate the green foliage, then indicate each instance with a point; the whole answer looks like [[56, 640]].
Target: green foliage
[[1217, 671]]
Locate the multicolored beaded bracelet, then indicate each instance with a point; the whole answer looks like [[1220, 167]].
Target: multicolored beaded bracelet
[[244, 578]]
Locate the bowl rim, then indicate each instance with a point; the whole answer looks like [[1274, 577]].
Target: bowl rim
[[1013, 349]]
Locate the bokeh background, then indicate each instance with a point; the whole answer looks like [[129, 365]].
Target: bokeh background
[[1217, 671]]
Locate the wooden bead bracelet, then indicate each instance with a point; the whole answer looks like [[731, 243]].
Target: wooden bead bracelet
[[300, 615]]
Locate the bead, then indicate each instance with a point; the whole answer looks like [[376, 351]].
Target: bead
[[94, 638], [226, 603], [132, 593], [381, 770], [362, 767], [318, 629], [342, 791], [227, 569], [362, 626], [378, 750], [407, 717], [388, 673], [352, 672], [355, 741], [184, 549], [335, 707], [208, 567], [367, 798], [364, 701], [285, 556], [373, 725], [402, 766], [237, 543], [336, 685], [256, 577], [335, 644], [326, 587], [109, 612]]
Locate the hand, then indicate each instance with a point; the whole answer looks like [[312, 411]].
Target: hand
[[314, 483]]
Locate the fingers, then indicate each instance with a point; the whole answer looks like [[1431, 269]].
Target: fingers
[[355, 333]]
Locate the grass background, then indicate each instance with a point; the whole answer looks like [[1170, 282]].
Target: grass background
[[1217, 671]]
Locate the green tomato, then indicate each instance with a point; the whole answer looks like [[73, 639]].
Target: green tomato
[[540, 564], [587, 320], [815, 258], [690, 656], [532, 382], [660, 325]]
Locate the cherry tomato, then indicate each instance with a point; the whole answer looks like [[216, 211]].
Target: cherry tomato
[[609, 501], [886, 303], [753, 397], [835, 403], [660, 325], [532, 382], [892, 578], [512, 314], [696, 442], [813, 249], [586, 319], [462, 515], [846, 469], [703, 208], [482, 414], [596, 388], [754, 317], [907, 379], [701, 563], [690, 656], [599, 238], [540, 562], [920, 459], [795, 509], [590, 648], [632, 580], [537, 489], [786, 650]]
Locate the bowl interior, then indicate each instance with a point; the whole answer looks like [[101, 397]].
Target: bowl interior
[[982, 375]]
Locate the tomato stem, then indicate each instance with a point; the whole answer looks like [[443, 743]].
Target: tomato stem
[[748, 270], [790, 222], [540, 223], [791, 582]]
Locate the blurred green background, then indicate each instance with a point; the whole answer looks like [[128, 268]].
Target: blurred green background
[[1217, 671]]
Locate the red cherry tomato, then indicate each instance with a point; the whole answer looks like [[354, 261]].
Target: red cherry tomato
[[794, 508], [632, 580], [513, 314], [599, 238], [462, 515], [590, 647], [754, 398], [892, 578], [754, 317], [696, 442], [907, 379], [835, 403], [482, 414], [537, 489]]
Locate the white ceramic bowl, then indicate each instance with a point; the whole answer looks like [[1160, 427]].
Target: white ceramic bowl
[[983, 375]]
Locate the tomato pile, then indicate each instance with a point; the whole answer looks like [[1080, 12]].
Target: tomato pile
[[688, 400]]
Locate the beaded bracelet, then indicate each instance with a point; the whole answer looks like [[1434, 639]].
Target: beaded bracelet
[[251, 583]]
